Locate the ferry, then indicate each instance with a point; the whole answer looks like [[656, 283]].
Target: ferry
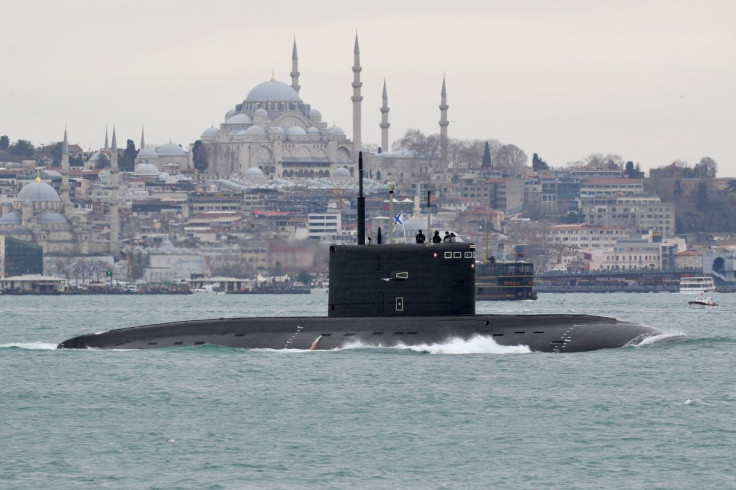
[[704, 284], [504, 281]]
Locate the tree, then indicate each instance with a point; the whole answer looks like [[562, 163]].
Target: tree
[[56, 154], [103, 161], [510, 156], [4, 142], [538, 164], [23, 148], [127, 160], [486, 161], [707, 168], [199, 156]]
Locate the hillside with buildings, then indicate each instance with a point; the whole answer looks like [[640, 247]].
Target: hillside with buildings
[[260, 196]]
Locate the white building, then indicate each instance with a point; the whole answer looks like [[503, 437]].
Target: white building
[[323, 226]]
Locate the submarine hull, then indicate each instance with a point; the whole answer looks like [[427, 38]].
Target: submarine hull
[[541, 333]]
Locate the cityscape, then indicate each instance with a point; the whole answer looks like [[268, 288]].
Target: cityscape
[[252, 204]]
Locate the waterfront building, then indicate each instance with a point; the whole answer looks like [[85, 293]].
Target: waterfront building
[[637, 212]]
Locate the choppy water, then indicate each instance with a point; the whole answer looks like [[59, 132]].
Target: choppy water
[[461, 415]]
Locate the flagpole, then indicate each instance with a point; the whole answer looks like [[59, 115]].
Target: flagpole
[[391, 211]]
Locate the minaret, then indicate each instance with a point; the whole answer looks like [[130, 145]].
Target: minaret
[[443, 121], [114, 197], [107, 145], [114, 154], [143, 138], [357, 99], [384, 120], [295, 69], [65, 169]]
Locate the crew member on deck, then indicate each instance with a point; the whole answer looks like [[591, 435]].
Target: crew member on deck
[[436, 238], [446, 239], [420, 237]]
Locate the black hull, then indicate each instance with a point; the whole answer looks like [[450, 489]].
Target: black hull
[[541, 333]]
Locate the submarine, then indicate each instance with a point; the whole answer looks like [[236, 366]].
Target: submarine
[[386, 295]]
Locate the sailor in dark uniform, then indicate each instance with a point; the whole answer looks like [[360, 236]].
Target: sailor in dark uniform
[[436, 238], [420, 237], [446, 239]]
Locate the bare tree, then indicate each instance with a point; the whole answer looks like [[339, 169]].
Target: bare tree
[[510, 156], [706, 168]]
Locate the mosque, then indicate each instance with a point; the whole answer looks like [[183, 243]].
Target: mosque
[[42, 216], [273, 133]]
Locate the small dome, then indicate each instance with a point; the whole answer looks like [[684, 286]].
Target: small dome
[[336, 131], [12, 218], [51, 218], [38, 191], [241, 118], [272, 91], [261, 112], [21, 230], [314, 114], [210, 132], [255, 130], [170, 150], [312, 130], [146, 169], [230, 113], [254, 172], [295, 131], [98, 155], [147, 152], [277, 129], [341, 172]]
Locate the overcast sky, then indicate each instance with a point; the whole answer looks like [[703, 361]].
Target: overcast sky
[[651, 80]]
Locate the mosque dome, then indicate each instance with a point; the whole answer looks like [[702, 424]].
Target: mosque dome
[[314, 114], [261, 112], [336, 131], [312, 130], [255, 130], [12, 218], [51, 218], [210, 132], [146, 152], [170, 150], [272, 91], [241, 118], [254, 172], [341, 172], [295, 131], [146, 169], [38, 191], [277, 129], [230, 113], [21, 230]]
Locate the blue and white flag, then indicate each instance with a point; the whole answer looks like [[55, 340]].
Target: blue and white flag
[[399, 219]]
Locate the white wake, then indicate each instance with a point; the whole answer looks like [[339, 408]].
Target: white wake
[[29, 346], [476, 345]]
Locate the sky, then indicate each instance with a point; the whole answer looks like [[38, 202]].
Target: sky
[[653, 81]]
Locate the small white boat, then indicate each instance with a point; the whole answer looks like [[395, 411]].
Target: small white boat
[[207, 289], [702, 301]]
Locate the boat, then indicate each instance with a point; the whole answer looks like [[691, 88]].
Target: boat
[[386, 295], [207, 289], [502, 281], [702, 301], [702, 284]]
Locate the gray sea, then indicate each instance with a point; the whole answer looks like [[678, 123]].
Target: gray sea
[[460, 415]]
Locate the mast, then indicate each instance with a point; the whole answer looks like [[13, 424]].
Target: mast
[[361, 202]]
